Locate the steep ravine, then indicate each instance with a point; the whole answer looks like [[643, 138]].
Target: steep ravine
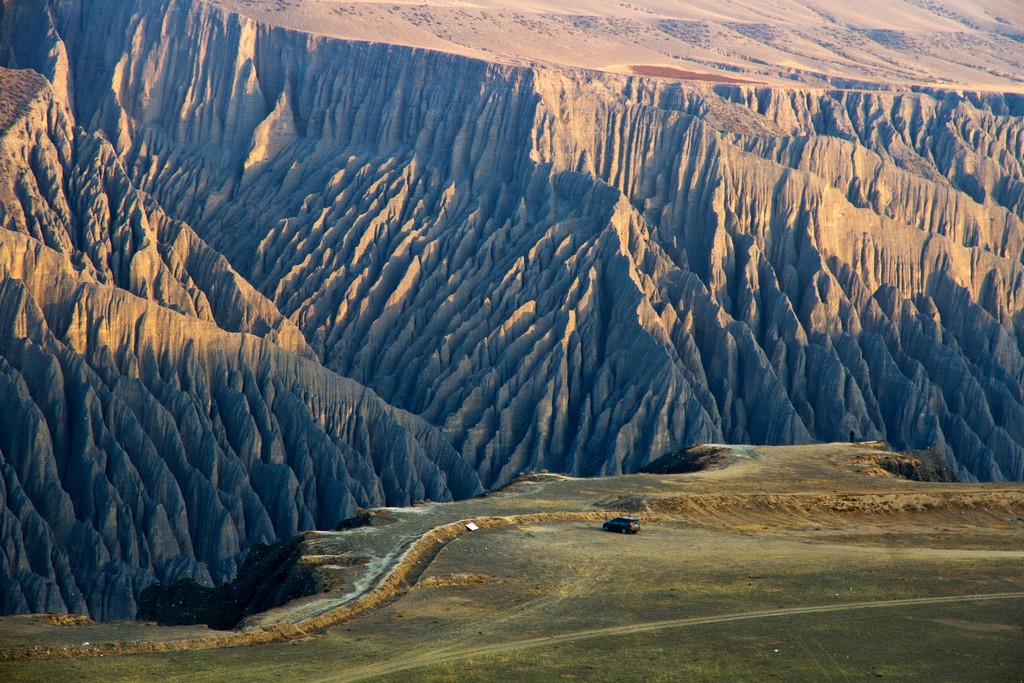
[[538, 268], [162, 416]]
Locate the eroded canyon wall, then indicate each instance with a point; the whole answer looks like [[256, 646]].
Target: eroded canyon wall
[[548, 269], [161, 416]]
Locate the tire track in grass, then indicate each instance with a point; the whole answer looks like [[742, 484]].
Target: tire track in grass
[[450, 655]]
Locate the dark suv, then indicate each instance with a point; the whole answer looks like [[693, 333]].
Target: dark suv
[[624, 525]]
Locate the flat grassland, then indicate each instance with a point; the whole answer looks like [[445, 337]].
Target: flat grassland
[[777, 563]]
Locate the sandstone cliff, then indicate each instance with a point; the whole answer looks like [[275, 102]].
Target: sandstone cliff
[[541, 268]]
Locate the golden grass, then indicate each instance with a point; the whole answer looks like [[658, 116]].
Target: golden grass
[[63, 619], [459, 579]]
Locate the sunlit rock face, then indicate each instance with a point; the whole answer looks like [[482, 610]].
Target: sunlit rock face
[[530, 268]]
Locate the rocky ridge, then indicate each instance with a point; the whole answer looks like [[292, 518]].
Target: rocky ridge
[[163, 416], [543, 268]]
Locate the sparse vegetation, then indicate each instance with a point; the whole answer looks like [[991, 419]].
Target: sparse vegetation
[[459, 579]]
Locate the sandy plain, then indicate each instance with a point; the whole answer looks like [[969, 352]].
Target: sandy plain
[[968, 44], [796, 563]]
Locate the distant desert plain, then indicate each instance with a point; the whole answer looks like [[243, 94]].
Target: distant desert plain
[[974, 44]]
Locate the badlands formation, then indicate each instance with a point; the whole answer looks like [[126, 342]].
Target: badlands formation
[[256, 278]]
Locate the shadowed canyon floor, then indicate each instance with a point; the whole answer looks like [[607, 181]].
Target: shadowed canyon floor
[[799, 562]]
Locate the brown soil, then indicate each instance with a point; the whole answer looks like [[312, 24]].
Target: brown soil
[[1001, 506], [63, 619], [460, 579], [682, 74]]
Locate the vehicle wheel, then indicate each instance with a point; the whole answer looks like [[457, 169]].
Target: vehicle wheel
[[625, 531]]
